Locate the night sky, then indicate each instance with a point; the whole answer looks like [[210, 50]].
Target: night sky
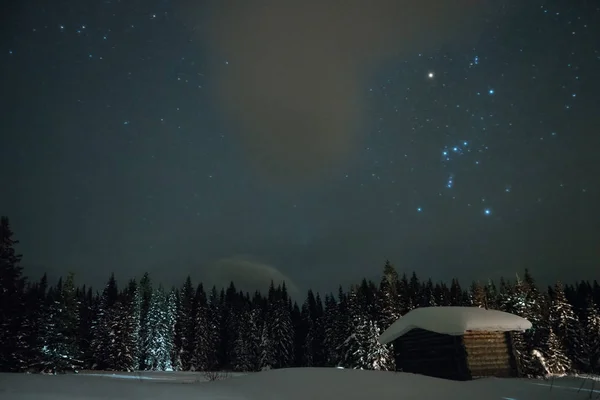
[[306, 141]]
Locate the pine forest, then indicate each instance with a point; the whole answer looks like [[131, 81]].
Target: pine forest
[[56, 327]]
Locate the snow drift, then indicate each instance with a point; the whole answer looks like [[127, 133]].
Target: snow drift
[[285, 384]]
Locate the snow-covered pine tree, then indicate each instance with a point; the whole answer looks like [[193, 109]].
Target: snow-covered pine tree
[[268, 358], [330, 343], [61, 349], [185, 325], [201, 341], [122, 351], [414, 291], [247, 344], [308, 331], [125, 327], [87, 310], [171, 319], [319, 351], [35, 324], [12, 302], [232, 304], [477, 295], [145, 295], [300, 330], [387, 300], [507, 297], [442, 294], [377, 356], [428, 293], [404, 296], [567, 328], [159, 332], [491, 295], [556, 361], [134, 302], [213, 330], [353, 346], [102, 345], [281, 330], [592, 335], [523, 299], [456, 294], [361, 349]]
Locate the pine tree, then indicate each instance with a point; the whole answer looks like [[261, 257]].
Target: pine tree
[[87, 308], [145, 298], [352, 348], [208, 326], [160, 331], [491, 295], [388, 297], [592, 335], [556, 361], [185, 325], [313, 331], [428, 291], [35, 326], [441, 294], [61, 348], [124, 330], [102, 345], [566, 327], [201, 340], [247, 343], [12, 302], [478, 296], [377, 356], [281, 330], [330, 341], [455, 293]]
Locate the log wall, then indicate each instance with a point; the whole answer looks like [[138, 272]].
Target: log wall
[[475, 354]]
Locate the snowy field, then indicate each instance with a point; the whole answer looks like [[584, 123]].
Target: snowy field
[[285, 384]]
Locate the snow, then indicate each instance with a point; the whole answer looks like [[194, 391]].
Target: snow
[[454, 321], [286, 384]]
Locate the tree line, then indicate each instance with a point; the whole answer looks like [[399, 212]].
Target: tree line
[[143, 326]]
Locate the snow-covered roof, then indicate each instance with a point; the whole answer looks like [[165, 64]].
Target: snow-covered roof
[[454, 321]]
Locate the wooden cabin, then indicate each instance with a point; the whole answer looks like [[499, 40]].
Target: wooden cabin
[[459, 343]]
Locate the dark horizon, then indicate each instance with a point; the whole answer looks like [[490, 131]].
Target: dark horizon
[[309, 144]]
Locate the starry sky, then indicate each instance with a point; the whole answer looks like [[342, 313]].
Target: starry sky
[[303, 141]]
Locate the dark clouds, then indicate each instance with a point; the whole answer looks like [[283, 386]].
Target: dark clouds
[[290, 75]]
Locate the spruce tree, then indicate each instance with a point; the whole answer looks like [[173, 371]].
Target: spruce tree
[[428, 293], [556, 361], [566, 327], [12, 302], [388, 298], [145, 298], [455, 293], [330, 342], [160, 331], [185, 325], [103, 345], [592, 335], [61, 349], [87, 308], [477, 295], [35, 325]]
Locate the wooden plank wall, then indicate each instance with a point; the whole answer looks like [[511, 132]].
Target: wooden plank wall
[[429, 353], [488, 354]]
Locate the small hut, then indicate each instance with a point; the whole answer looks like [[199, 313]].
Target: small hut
[[459, 343]]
